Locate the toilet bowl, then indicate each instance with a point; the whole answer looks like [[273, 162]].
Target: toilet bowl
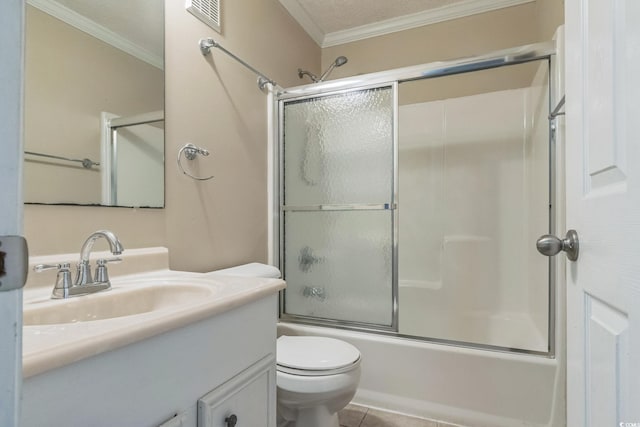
[[316, 377]]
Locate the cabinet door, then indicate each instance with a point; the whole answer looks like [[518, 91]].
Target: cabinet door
[[246, 400], [178, 421]]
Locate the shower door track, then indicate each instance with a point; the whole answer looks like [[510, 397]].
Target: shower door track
[[496, 59]]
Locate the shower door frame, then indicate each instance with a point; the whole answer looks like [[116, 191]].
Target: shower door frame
[[512, 56]]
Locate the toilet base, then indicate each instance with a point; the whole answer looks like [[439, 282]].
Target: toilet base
[[311, 417]]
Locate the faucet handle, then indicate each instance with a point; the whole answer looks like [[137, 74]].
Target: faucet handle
[[102, 276], [44, 267], [104, 261], [63, 281]]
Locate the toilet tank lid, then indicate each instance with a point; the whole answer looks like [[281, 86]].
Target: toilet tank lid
[[315, 353], [254, 269]]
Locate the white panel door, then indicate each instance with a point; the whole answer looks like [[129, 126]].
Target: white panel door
[[11, 24], [603, 205]]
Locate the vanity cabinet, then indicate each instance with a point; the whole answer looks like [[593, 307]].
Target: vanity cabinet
[[245, 400], [195, 375]]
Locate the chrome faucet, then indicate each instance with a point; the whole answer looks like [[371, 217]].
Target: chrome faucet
[[84, 283], [84, 268]]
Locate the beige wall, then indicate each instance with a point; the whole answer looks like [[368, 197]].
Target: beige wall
[[70, 78], [550, 15], [53, 229], [472, 35], [214, 102]]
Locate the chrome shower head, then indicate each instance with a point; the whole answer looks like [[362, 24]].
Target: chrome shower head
[[339, 62]]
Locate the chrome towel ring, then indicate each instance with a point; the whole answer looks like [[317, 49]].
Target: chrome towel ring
[[191, 152]]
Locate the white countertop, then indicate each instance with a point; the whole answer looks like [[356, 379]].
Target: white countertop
[[47, 347]]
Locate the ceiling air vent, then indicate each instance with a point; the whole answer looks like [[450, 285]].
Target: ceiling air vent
[[208, 11]]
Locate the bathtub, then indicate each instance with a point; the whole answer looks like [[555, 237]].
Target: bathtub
[[452, 384], [425, 313]]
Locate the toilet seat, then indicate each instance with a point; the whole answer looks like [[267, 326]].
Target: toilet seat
[[315, 356]]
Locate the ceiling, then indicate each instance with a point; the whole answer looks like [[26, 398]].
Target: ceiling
[[334, 22]]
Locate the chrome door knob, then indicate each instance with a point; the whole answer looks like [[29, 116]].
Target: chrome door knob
[[551, 245]]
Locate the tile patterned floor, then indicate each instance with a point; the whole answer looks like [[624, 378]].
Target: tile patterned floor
[[361, 416]]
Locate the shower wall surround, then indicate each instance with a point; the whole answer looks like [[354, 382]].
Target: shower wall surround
[[474, 189]]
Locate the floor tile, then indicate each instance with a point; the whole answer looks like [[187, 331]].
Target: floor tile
[[376, 418], [352, 415]]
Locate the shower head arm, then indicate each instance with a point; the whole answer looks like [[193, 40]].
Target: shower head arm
[[339, 62], [302, 73]]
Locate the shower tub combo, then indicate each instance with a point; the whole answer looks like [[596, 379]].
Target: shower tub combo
[[407, 207]]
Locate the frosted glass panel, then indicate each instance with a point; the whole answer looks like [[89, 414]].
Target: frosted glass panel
[[339, 148], [338, 265]]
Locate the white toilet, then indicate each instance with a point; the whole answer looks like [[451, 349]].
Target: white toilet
[[316, 378]]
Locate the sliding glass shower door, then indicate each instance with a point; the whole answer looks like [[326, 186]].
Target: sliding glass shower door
[[411, 207], [338, 207]]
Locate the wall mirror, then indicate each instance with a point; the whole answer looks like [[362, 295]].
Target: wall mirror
[[94, 103]]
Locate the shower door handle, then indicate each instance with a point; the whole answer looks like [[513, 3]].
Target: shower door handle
[[551, 245]]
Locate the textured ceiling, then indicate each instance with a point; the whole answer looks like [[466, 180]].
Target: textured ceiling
[[338, 15]]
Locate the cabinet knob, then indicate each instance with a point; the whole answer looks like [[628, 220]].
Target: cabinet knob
[[231, 420]]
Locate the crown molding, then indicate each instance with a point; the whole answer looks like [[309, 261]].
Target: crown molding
[[96, 30], [406, 22], [305, 21]]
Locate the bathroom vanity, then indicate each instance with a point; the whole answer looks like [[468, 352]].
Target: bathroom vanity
[[175, 349]]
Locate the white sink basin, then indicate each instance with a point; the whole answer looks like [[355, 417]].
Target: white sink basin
[[118, 302], [147, 299]]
